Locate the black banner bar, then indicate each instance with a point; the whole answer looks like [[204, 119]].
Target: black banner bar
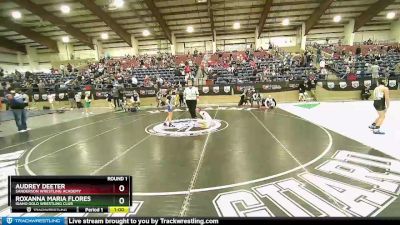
[[195, 220]]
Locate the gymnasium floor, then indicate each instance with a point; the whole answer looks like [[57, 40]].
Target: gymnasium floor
[[316, 159]]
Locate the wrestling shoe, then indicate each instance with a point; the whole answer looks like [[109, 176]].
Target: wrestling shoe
[[371, 127], [171, 125], [378, 132]]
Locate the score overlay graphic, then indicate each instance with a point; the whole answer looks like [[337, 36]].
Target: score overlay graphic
[[97, 194]]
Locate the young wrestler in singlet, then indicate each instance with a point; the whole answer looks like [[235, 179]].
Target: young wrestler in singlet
[[381, 104]]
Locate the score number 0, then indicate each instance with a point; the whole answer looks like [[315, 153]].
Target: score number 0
[[121, 200]]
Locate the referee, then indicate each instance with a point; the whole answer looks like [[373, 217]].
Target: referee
[[191, 95]]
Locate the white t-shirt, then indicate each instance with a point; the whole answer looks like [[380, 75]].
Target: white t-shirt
[[134, 80], [375, 69], [78, 97], [191, 93], [322, 64], [206, 116]]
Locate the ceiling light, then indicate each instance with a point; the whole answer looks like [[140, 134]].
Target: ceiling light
[[118, 3], [236, 25], [65, 39], [190, 29], [201, 1], [104, 36], [390, 15], [285, 22], [65, 9], [16, 14], [337, 19], [146, 33]]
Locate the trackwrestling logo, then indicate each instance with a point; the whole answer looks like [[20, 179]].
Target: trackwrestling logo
[[186, 128]]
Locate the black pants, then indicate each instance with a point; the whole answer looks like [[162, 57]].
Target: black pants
[[116, 102], [192, 104], [181, 100]]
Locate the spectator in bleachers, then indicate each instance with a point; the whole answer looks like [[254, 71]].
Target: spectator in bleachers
[[347, 72], [322, 64], [375, 73], [134, 81], [352, 75], [397, 69], [69, 68], [41, 87]]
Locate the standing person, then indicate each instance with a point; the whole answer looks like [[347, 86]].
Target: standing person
[[51, 98], [18, 108], [121, 94], [78, 100], [115, 94], [88, 102], [191, 95], [181, 100], [1, 96], [381, 104], [109, 100], [170, 110], [71, 98], [311, 83], [302, 90], [375, 73], [25, 98], [158, 98]]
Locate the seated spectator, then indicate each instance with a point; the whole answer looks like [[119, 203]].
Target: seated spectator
[[244, 97], [365, 93], [352, 75], [302, 91], [397, 69], [346, 73], [134, 81]]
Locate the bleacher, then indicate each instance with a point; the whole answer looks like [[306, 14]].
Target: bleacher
[[246, 73], [131, 67], [360, 65]]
